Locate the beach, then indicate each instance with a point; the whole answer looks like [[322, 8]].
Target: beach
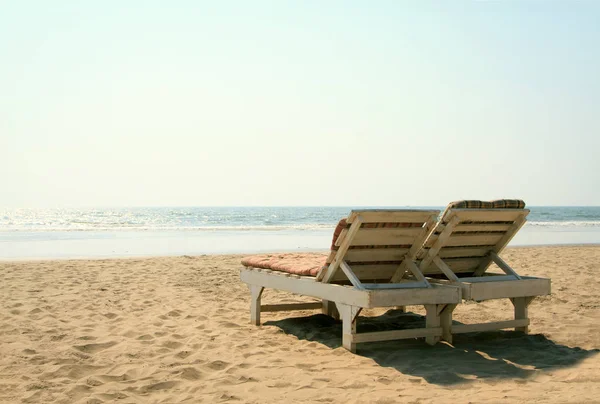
[[176, 329]]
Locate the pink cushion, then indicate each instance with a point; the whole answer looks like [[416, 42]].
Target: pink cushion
[[307, 264]]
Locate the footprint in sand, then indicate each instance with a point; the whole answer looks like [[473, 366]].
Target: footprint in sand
[[279, 384], [183, 354], [217, 365], [189, 374], [114, 396], [93, 348], [172, 344], [93, 382], [158, 386]]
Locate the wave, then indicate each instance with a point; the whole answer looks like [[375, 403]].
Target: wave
[[590, 223], [238, 228], [300, 227]]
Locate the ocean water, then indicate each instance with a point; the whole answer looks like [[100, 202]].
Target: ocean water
[[119, 232]]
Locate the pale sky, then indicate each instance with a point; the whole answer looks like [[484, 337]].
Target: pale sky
[[353, 103]]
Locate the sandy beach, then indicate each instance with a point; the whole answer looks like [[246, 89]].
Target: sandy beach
[[177, 329]]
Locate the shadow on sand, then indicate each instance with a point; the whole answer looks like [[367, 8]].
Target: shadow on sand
[[483, 355]]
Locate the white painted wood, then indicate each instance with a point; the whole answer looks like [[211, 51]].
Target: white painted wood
[[432, 320], [397, 334], [461, 252], [521, 305], [527, 286], [445, 269], [438, 242], [381, 272], [496, 325], [392, 215], [384, 236], [503, 242], [349, 315], [351, 276], [308, 287], [464, 240], [483, 227], [414, 250], [330, 272], [503, 265], [437, 294], [403, 285], [457, 265], [255, 295], [329, 309], [376, 254], [291, 306], [446, 321], [489, 278], [412, 267]]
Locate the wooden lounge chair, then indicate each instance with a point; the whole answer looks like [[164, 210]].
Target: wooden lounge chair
[[468, 238], [369, 250]]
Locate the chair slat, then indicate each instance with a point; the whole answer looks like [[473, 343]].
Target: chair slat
[[375, 254], [392, 216], [383, 236]]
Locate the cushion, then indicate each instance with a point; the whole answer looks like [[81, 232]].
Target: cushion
[[307, 264], [474, 204], [497, 204]]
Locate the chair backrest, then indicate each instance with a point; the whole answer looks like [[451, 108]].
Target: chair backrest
[[468, 232], [374, 242]]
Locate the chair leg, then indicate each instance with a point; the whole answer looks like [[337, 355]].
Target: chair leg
[[432, 320], [522, 310], [446, 321], [348, 314], [329, 309], [255, 295]]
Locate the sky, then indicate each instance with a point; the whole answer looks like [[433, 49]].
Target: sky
[[288, 103]]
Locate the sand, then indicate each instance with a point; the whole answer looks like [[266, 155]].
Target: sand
[[177, 329]]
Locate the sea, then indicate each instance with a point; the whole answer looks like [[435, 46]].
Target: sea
[[172, 231]]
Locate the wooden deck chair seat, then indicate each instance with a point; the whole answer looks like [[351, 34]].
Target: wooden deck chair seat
[[369, 249], [468, 238]]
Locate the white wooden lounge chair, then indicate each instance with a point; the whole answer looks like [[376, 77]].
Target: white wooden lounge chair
[[372, 248], [468, 238]]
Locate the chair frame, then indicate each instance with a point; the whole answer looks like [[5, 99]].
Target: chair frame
[[347, 301], [481, 286]]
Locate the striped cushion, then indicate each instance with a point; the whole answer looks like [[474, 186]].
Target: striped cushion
[[474, 204], [497, 204]]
